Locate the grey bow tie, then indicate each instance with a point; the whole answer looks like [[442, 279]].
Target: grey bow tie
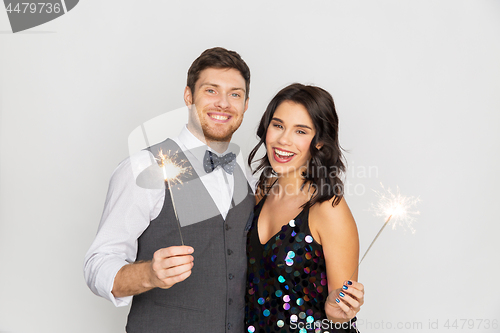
[[212, 161]]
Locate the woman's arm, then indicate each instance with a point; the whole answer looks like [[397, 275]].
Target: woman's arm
[[335, 229]]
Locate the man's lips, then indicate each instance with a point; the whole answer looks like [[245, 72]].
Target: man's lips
[[219, 117]]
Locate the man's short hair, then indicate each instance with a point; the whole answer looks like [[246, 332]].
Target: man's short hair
[[218, 57]]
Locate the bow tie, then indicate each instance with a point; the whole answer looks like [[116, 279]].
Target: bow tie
[[212, 161]]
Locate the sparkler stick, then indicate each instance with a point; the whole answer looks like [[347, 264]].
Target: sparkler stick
[[172, 173], [369, 247]]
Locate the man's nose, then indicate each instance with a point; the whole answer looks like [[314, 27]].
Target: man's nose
[[222, 101]]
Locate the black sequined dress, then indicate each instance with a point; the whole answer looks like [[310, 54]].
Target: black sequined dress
[[286, 280]]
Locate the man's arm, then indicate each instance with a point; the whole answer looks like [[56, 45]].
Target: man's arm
[[110, 269]]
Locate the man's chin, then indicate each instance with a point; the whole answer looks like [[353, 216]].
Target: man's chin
[[218, 137]]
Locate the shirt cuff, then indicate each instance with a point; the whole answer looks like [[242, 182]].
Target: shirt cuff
[[104, 285]]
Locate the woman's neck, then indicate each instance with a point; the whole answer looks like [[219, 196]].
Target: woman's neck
[[289, 185]]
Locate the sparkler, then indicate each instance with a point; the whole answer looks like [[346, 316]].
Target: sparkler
[[172, 173], [396, 208]]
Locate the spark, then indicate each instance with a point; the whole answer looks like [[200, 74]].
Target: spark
[[172, 171], [396, 208]]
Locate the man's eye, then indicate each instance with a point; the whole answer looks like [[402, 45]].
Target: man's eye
[[211, 91], [235, 95]]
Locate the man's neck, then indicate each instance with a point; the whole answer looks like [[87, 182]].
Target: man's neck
[[218, 146]]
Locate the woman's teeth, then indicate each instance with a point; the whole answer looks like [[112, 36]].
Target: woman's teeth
[[281, 153]]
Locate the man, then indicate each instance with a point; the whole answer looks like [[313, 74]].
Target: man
[[137, 248]]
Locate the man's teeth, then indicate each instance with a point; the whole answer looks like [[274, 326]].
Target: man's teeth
[[282, 153], [218, 117]]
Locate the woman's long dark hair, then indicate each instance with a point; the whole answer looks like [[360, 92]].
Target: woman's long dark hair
[[326, 165]]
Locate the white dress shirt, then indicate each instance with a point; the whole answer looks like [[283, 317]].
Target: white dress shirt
[[129, 209]]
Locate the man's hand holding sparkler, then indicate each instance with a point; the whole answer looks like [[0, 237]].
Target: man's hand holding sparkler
[[171, 265], [344, 303]]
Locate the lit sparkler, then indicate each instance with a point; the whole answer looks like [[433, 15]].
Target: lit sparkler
[[396, 208], [172, 173]]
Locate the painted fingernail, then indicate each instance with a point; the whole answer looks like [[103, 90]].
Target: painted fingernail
[[349, 282], [344, 287], [337, 300], [341, 294]]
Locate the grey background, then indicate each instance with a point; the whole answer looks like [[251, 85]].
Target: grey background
[[416, 84]]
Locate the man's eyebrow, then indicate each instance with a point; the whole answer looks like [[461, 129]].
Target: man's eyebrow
[[218, 86], [298, 125]]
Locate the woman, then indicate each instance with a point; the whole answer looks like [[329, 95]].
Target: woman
[[303, 242]]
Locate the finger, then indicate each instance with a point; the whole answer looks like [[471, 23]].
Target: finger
[[169, 282], [174, 261], [355, 293], [350, 302], [173, 251], [174, 271], [349, 313], [355, 285]]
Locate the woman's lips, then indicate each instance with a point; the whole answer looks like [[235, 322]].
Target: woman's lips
[[282, 156]]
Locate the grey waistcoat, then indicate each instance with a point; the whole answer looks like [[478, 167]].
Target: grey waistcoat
[[212, 299]]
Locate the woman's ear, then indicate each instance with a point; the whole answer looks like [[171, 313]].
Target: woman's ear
[[319, 145]]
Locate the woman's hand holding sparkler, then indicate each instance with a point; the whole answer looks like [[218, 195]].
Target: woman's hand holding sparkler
[[171, 265], [344, 303]]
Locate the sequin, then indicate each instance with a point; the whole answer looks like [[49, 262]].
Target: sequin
[[286, 279]]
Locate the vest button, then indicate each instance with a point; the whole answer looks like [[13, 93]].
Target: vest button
[[229, 326], [230, 301], [227, 226], [229, 252], [231, 276]]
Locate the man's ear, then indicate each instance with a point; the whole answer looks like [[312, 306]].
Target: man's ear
[[188, 96], [246, 105]]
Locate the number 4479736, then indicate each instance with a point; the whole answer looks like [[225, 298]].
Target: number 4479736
[[34, 7], [471, 324]]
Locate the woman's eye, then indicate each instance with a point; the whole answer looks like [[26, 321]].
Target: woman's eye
[[278, 126], [301, 132]]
